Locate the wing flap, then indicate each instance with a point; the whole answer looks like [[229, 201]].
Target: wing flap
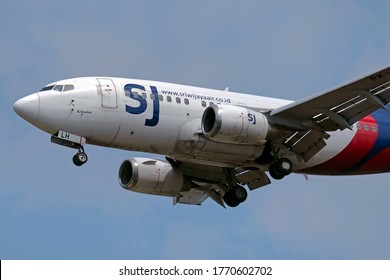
[[193, 197], [197, 195], [254, 179], [306, 143]]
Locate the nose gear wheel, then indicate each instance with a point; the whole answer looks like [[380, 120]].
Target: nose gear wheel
[[80, 158]]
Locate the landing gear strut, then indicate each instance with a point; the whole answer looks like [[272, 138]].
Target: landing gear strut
[[80, 158], [235, 194]]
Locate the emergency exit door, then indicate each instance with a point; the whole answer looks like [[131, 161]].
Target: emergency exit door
[[108, 92]]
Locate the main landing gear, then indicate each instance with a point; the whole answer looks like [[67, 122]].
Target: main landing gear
[[280, 168], [235, 193], [235, 196], [80, 158]]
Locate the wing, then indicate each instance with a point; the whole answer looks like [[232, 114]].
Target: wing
[[210, 181], [308, 121]]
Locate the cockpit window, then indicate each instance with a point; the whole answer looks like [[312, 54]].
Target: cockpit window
[[58, 87], [68, 87], [47, 88]]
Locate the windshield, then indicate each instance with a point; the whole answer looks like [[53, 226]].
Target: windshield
[[60, 88]]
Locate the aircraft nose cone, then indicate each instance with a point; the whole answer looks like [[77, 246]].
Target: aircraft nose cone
[[28, 107]]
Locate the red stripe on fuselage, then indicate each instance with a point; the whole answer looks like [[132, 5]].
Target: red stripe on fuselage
[[378, 164], [355, 151]]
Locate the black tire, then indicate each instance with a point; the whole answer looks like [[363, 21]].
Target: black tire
[[274, 172], [80, 158], [76, 161], [230, 201], [284, 166], [239, 193]]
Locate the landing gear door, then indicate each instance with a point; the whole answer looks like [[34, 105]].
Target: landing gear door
[[108, 93]]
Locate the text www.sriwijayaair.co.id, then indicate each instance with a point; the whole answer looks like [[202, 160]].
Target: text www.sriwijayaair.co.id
[[254, 271], [196, 96]]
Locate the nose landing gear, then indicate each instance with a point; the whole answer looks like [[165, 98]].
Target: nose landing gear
[[72, 141], [80, 158]]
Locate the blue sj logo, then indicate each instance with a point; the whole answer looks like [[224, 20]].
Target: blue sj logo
[[252, 118], [141, 108]]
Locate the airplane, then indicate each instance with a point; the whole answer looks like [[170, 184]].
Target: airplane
[[216, 143]]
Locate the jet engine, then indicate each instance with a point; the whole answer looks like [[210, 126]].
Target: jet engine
[[151, 176], [234, 124]]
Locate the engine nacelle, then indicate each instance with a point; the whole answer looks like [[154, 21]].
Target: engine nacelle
[[150, 176], [234, 124]]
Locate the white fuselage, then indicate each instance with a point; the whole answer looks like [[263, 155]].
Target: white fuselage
[[157, 117]]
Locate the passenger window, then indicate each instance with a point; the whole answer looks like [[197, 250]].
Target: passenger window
[[204, 103], [169, 99], [160, 97], [211, 103], [366, 127], [374, 129], [152, 96], [178, 100], [358, 126], [68, 87], [58, 87], [186, 101], [144, 95]]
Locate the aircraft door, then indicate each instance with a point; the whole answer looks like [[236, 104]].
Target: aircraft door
[[108, 93]]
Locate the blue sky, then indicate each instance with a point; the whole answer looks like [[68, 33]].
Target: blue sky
[[49, 209]]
